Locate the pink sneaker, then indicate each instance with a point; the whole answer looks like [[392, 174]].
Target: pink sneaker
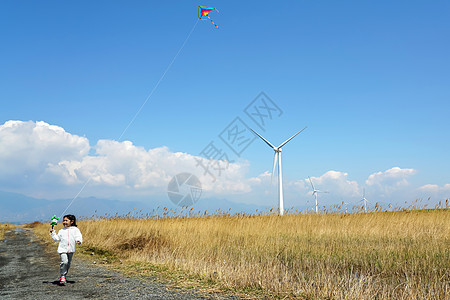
[[62, 280]]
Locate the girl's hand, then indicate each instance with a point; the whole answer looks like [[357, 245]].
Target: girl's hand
[[52, 231]]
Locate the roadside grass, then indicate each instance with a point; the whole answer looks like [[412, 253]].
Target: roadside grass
[[376, 255], [3, 228]]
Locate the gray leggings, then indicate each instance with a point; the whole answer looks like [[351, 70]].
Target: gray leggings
[[66, 259]]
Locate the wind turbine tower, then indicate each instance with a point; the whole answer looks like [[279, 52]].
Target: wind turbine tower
[[315, 192], [346, 206], [364, 200], [277, 156]]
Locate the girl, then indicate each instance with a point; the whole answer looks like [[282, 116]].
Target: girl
[[67, 237]]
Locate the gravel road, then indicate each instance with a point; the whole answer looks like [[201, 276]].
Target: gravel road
[[28, 271]]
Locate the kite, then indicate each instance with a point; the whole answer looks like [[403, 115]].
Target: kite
[[203, 11]]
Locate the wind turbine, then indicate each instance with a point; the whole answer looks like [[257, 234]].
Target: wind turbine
[[315, 192], [364, 200], [278, 155], [346, 206]]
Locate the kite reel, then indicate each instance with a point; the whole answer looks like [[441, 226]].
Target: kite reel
[[54, 221]]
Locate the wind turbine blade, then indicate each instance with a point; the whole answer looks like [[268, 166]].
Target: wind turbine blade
[[274, 163], [267, 142], [322, 191], [284, 143], [312, 185]]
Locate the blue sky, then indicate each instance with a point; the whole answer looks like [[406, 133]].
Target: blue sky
[[370, 79]]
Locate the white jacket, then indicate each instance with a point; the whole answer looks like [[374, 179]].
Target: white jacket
[[67, 238]]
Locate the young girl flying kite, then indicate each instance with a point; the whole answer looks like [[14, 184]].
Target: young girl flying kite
[[68, 238]]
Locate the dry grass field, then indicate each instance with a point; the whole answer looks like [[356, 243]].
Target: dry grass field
[[376, 255], [2, 231], [3, 228]]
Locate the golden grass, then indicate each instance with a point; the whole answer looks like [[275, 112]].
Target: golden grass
[[4, 227], [378, 255]]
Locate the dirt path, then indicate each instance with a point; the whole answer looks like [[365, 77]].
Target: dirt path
[[27, 271]]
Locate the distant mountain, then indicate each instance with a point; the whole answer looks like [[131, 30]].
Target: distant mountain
[[17, 208], [20, 209]]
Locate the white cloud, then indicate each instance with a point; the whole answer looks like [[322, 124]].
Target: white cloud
[[390, 186], [27, 148], [429, 188], [434, 191], [390, 180], [44, 160], [433, 195], [47, 155], [335, 182], [338, 183]]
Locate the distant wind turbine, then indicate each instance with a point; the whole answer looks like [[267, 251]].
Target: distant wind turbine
[[364, 200], [346, 206], [278, 155], [315, 192]]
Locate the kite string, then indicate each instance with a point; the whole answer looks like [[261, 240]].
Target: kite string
[[135, 115], [159, 81]]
